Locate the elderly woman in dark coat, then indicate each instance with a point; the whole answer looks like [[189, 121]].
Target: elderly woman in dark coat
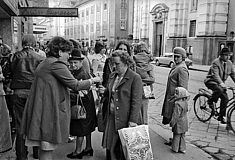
[[124, 94], [46, 116], [82, 127]]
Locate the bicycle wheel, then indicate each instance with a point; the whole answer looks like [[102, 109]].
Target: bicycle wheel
[[201, 108], [231, 119]]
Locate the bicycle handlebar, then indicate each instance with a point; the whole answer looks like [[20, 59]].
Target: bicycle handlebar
[[231, 88]]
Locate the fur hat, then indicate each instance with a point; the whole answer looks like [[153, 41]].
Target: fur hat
[[180, 51]]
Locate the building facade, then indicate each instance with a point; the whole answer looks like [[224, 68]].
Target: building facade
[[13, 27], [197, 25], [110, 20]]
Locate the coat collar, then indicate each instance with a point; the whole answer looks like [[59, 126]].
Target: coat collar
[[126, 76]]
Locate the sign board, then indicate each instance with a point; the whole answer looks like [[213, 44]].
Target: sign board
[[48, 12]]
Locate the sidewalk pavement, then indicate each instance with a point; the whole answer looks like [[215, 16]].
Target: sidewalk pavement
[[160, 150], [198, 67]]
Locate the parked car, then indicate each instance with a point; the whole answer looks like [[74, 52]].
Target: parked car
[[168, 59]]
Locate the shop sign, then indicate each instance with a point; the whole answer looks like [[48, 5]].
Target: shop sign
[[48, 12]]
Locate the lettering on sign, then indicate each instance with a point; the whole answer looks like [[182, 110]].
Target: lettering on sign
[[48, 12]]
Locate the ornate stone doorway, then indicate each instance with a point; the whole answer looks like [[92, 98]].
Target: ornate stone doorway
[[159, 17]]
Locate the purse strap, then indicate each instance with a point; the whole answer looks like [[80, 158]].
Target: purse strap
[[79, 98]]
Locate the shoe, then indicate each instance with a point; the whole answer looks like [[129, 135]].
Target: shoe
[[74, 155], [87, 152], [182, 152], [211, 104], [222, 120]]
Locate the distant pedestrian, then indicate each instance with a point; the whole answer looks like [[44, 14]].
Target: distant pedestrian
[[179, 120], [143, 67], [5, 133]]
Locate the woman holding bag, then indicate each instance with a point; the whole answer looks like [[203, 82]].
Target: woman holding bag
[[82, 127], [124, 93]]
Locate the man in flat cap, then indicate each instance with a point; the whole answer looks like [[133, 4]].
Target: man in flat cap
[[218, 73]]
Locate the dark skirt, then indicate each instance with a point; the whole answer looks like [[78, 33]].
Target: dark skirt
[[84, 127]]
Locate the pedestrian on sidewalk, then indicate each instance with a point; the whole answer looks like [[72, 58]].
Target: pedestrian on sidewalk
[[124, 93], [218, 73], [46, 117], [23, 66], [82, 127], [5, 134], [142, 59], [178, 77], [179, 120]]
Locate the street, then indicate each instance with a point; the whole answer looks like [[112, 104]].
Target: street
[[212, 136]]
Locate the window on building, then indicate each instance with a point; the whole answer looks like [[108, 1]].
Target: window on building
[[192, 28], [105, 6], [123, 4], [82, 13], [194, 4], [92, 9], [98, 8], [87, 12], [92, 27]]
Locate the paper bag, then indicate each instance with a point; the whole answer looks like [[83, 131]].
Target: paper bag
[[136, 143]]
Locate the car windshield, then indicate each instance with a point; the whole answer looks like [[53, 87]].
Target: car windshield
[[168, 55]]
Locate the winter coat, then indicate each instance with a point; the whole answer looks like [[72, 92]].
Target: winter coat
[[127, 98], [179, 121], [178, 77], [47, 111]]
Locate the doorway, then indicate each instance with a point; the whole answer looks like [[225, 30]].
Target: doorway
[[157, 38]]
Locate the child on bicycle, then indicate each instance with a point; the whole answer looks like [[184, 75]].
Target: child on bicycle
[[218, 73], [179, 121]]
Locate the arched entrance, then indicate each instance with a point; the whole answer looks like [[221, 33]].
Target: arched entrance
[[159, 17]]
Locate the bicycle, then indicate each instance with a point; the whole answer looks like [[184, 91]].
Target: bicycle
[[204, 112]]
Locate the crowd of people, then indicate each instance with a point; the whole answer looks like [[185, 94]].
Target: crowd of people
[[39, 85]]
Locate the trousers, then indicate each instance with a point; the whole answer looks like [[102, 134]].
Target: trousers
[[218, 92]]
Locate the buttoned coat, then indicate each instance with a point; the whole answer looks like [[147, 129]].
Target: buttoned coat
[[127, 98], [178, 77], [216, 71], [47, 111]]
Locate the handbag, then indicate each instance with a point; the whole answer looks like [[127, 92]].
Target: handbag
[[147, 91], [100, 114], [78, 111], [136, 143]]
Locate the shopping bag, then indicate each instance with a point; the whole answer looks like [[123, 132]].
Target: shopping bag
[[147, 91], [136, 143]]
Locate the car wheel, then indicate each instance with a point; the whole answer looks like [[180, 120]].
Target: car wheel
[[157, 63], [171, 64]]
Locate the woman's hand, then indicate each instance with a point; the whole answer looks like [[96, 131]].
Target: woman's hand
[[132, 124], [96, 80]]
